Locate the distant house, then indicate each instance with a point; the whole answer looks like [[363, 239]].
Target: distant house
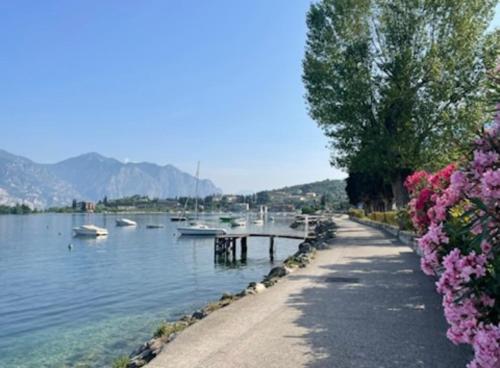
[[87, 206], [282, 208], [240, 207], [231, 198]]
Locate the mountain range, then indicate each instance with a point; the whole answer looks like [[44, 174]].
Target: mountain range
[[91, 176]]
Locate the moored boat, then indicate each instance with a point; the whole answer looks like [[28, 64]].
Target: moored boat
[[90, 230], [258, 222], [227, 218], [238, 222], [154, 226], [125, 222], [201, 229]]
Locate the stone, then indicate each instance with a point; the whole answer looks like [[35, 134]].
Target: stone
[[278, 271], [200, 314], [259, 287], [306, 248], [226, 296]]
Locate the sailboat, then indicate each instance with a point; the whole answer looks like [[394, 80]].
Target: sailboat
[[260, 219], [196, 228]]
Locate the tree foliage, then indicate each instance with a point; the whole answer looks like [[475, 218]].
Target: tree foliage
[[398, 85]]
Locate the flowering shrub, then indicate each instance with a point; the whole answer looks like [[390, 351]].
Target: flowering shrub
[[456, 212]]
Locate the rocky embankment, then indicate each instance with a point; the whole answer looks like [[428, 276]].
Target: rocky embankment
[[319, 238]]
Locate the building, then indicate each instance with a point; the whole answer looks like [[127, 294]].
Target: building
[[87, 206], [240, 207]]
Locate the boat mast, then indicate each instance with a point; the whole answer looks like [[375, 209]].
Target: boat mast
[[196, 190]]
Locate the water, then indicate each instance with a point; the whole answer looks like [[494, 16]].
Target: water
[[84, 307]]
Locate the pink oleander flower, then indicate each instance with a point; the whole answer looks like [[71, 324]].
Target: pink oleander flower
[[490, 185], [441, 179], [416, 181], [486, 346]]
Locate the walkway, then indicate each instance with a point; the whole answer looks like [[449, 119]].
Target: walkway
[[362, 304]]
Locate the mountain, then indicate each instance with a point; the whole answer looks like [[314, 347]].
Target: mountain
[[91, 177]]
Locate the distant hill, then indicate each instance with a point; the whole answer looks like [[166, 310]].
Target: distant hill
[[91, 177], [310, 194], [335, 188]]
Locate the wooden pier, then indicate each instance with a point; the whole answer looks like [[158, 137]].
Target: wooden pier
[[226, 245]]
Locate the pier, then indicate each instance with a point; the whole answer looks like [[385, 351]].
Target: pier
[[226, 245]]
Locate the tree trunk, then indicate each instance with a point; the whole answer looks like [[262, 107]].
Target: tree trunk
[[399, 192]]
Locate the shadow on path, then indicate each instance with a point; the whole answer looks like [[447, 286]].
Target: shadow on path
[[376, 309]]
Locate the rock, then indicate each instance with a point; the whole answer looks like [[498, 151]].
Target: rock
[[199, 314], [306, 248], [136, 363], [226, 296], [155, 345], [270, 282], [259, 287], [278, 271]]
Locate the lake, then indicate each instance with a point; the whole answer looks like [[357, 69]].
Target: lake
[[103, 298]]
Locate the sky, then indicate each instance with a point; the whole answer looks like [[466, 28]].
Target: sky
[[169, 82]]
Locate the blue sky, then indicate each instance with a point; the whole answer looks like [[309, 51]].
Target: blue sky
[[163, 81]]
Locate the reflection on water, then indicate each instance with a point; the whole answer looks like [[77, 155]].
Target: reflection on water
[[106, 295]]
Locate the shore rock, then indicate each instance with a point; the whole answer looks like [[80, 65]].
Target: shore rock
[[278, 271]]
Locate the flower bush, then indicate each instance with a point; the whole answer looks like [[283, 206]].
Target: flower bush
[[456, 212]]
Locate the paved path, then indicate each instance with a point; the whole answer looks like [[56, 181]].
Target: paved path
[[387, 315]]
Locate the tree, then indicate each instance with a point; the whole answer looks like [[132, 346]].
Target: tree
[[370, 190], [263, 197], [397, 85]]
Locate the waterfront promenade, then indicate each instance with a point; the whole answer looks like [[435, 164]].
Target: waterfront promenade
[[363, 303]]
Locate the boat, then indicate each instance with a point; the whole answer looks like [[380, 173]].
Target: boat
[[196, 228], [90, 230], [258, 222], [178, 218], [155, 226], [201, 229], [238, 222], [125, 222], [227, 218]]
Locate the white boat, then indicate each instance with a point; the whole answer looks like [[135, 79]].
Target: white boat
[[201, 229], [197, 228], [125, 222], [258, 222], [90, 230], [238, 222]]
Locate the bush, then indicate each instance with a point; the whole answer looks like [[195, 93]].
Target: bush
[[456, 213], [404, 220], [356, 212], [388, 217]]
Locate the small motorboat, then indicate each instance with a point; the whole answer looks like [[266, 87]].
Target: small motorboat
[[227, 218], [178, 218], [238, 222], [155, 226], [258, 222], [90, 230], [125, 222], [200, 230]]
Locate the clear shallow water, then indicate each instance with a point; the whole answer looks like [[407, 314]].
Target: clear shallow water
[[102, 299]]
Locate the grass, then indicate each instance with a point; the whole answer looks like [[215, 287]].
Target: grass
[[121, 362], [167, 329]]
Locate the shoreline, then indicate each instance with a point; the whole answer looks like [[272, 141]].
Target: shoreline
[[324, 232]]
